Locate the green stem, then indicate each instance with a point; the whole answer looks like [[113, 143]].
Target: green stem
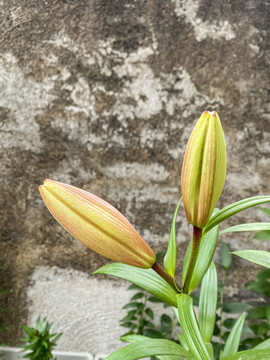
[[161, 272], [197, 235]]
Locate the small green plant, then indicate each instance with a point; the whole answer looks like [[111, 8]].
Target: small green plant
[[258, 317], [140, 317], [39, 342], [256, 327], [225, 319]]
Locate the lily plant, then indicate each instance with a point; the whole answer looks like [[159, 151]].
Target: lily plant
[[106, 231]]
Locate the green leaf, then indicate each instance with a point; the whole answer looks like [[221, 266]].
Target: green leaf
[[247, 227], [208, 304], [149, 347], [255, 354], [262, 235], [263, 274], [166, 323], [257, 313], [190, 328], [233, 340], [226, 257], [153, 334], [234, 208], [267, 310], [129, 317], [128, 325], [134, 287], [265, 210], [195, 299], [170, 258], [236, 307], [205, 256], [149, 324], [137, 296], [147, 279], [132, 304], [149, 313], [181, 337], [257, 256], [263, 345], [134, 338], [210, 350], [154, 299], [261, 286], [263, 329]]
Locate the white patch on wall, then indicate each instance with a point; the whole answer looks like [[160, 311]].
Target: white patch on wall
[[152, 172], [70, 168], [142, 95], [203, 29], [25, 99], [141, 86], [80, 95], [86, 309]]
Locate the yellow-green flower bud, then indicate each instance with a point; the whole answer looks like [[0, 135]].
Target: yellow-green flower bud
[[97, 224], [204, 169]]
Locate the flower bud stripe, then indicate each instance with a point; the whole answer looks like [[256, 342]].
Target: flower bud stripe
[[204, 169], [96, 223]]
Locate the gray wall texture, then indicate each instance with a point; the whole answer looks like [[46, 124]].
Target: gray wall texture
[[103, 95]]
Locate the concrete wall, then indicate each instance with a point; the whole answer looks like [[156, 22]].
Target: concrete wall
[[103, 95]]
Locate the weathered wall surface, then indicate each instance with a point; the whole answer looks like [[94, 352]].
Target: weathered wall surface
[[103, 95]]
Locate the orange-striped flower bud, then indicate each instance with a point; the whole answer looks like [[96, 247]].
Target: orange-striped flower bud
[[204, 169], [97, 224]]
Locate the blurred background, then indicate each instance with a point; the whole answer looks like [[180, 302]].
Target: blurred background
[[103, 95]]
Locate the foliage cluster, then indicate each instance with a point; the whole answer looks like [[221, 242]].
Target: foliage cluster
[[39, 342]]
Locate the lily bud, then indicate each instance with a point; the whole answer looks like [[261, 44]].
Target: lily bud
[[97, 224], [204, 169]]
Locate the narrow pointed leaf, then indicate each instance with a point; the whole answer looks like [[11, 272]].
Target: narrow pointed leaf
[[256, 256], [236, 307], [247, 227], [146, 279], [145, 348], [265, 210], [255, 354], [190, 328], [170, 258], [234, 208], [233, 340], [262, 235], [263, 345], [135, 338], [226, 256], [205, 256], [210, 350], [208, 304]]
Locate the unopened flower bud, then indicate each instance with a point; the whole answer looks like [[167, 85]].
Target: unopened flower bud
[[97, 224], [204, 169]]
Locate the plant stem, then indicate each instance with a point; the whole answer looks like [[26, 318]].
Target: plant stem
[[197, 235], [161, 272]]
